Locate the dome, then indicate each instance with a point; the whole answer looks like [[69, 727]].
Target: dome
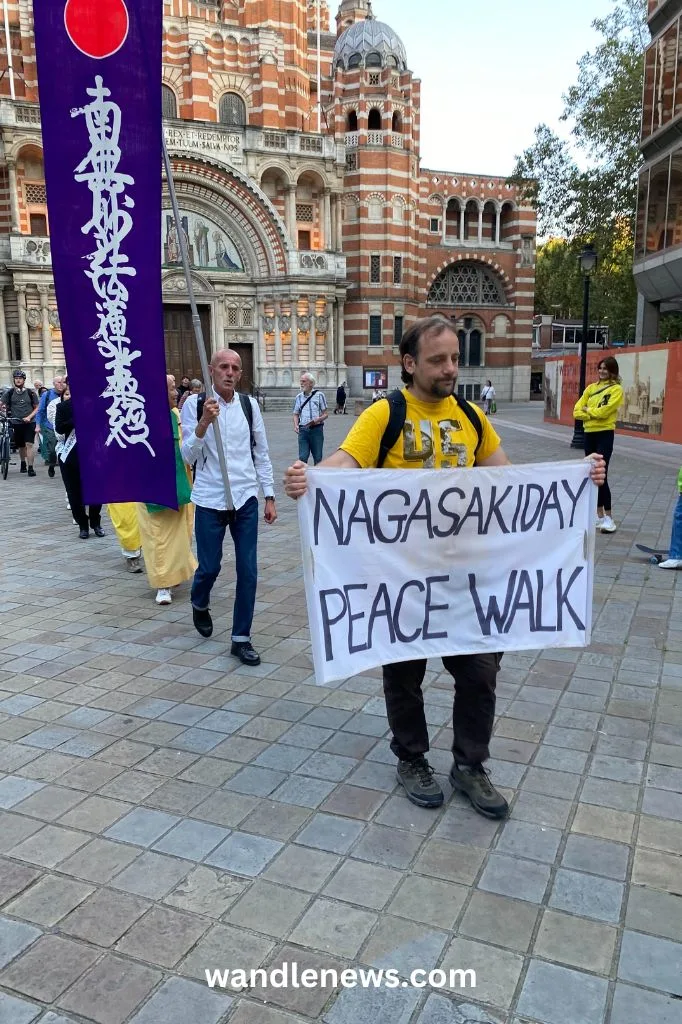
[[370, 44]]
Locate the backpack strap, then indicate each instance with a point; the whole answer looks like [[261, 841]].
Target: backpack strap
[[472, 414], [247, 409], [396, 422]]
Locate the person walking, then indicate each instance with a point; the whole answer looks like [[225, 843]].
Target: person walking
[[341, 399], [89, 517], [310, 412], [488, 398], [21, 406], [243, 437], [124, 520], [598, 408], [674, 559], [452, 434], [48, 438], [166, 533]]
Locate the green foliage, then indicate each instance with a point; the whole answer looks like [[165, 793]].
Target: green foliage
[[584, 186]]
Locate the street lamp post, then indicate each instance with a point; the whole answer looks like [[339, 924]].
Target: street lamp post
[[588, 263]]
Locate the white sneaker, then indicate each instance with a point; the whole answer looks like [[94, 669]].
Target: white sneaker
[[598, 522], [163, 597], [608, 525], [671, 563]]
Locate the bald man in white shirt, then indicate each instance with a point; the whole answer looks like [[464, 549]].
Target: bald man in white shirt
[[248, 469]]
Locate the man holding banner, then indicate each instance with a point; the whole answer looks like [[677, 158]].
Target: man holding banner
[[425, 427]]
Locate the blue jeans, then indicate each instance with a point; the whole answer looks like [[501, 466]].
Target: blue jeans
[[209, 527], [310, 442], [676, 539]]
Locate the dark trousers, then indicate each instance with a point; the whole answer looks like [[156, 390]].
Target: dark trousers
[[310, 442], [209, 527], [473, 711], [601, 443], [71, 475]]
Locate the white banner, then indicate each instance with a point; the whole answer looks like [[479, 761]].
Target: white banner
[[405, 564]]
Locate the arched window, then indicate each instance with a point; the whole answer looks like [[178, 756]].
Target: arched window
[[396, 122], [232, 110], [467, 284], [374, 120], [355, 60], [352, 121], [470, 343], [373, 60], [169, 103], [374, 208]]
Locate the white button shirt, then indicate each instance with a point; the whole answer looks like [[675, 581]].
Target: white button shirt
[[244, 472]]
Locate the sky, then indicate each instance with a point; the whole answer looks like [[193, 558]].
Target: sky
[[491, 70]]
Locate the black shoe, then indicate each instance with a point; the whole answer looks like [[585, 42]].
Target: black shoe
[[473, 781], [98, 531], [50, 470], [31, 471], [245, 652], [84, 534], [203, 623], [420, 786], [22, 468]]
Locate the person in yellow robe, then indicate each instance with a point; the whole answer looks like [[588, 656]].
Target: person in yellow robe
[[166, 533], [123, 517]]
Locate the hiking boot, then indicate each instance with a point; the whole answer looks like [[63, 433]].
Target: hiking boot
[[31, 471], [23, 468], [203, 623], [243, 650], [417, 779], [473, 781]]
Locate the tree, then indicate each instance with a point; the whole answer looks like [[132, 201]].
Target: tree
[[604, 108]]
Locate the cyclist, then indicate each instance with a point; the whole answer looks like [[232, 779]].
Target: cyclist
[[21, 406]]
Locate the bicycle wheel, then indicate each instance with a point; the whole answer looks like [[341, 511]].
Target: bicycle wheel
[[4, 460]]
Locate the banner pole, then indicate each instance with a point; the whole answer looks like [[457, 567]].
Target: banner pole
[[196, 322]]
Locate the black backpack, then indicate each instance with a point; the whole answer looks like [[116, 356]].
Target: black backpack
[[247, 409], [9, 394], [396, 422]]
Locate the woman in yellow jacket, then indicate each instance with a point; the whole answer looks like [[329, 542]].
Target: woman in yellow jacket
[[598, 408]]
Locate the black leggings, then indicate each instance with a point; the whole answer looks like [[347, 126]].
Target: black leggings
[[601, 442]]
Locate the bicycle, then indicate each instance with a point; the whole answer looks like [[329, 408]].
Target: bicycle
[[5, 439]]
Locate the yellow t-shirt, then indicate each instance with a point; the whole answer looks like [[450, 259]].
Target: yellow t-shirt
[[436, 435]]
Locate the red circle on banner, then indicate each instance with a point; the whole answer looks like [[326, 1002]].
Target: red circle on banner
[[98, 28]]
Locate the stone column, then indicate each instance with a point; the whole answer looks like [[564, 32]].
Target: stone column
[[278, 338], [24, 344], [462, 220], [220, 340], [260, 352], [294, 332], [290, 208], [336, 222], [329, 346], [498, 217], [340, 335], [4, 340], [327, 219], [44, 292], [444, 223], [13, 197], [480, 225]]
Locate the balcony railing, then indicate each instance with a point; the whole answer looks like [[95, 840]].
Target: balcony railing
[[35, 250], [231, 143], [352, 139], [317, 263], [375, 138], [12, 113]]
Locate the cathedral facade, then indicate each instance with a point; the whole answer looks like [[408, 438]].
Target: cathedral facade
[[315, 236]]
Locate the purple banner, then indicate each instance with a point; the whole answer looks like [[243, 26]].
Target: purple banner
[[99, 77]]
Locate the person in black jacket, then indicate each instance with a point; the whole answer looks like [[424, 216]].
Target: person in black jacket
[[67, 455]]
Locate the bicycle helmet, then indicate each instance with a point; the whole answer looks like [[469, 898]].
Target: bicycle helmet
[[18, 373]]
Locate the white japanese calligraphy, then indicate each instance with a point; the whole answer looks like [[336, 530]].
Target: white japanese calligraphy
[[109, 268]]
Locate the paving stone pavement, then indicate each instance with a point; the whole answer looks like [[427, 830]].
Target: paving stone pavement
[[164, 809]]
